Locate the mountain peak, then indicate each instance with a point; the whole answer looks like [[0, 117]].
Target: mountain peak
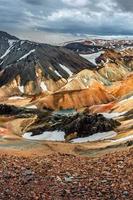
[[6, 35]]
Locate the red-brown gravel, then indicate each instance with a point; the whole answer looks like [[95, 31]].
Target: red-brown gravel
[[67, 177]]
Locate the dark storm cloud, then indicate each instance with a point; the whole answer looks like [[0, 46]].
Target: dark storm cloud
[[47, 4], [125, 5], [68, 16], [34, 2]]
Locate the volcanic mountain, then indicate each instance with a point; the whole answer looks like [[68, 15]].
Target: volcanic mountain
[[95, 93], [89, 46], [38, 81], [29, 67], [124, 88], [63, 78], [6, 40], [111, 64]]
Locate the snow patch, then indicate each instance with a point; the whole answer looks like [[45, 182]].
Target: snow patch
[[22, 42], [95, 137], [85, 80], [43, 86], [7, 52], [127, 48], [21, 88], [113, 114], [123, 139], [11, 42], [32, 107], [59, 136], [92, 57], [33, 50], [66, 69], [124, 100], [15, 97], [1, 62], [51, 136], [57, 73]]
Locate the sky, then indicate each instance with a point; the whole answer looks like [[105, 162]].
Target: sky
[[56, 21]]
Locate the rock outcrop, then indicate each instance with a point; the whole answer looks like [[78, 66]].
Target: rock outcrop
[[74, 126]]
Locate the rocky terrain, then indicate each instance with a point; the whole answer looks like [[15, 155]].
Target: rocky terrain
[[66, 115], [65, 176]]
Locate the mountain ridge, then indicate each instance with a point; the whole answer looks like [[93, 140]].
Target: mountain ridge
[[28, 60], [56, 74]]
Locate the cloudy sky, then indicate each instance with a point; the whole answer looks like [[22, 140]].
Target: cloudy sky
[[59, 20]]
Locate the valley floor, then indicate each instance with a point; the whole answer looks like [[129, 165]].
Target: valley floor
[[52, 175]]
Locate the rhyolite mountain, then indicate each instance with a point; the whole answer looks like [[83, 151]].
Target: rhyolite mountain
[[61, 82], [62, 78], [37, 65], [96, 45]]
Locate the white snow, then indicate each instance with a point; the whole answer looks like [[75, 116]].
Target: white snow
[[59, 136], [113, 114], [21, 88], [124, 100], [123, 139], [11, 42], [95, 137], [15, 97], [43, 86], [51, 136], [7, 52], [92, 57], [127, 48], [32, 107], [1, 62], [22, 42], [66, 69], [57, 73], [85, 80], [33, 50]]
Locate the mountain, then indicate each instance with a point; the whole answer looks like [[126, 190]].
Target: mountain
[[63, 78], [115, 66], [5, 35], [83, 47], [55, 89], [95, 93], [6, 41], [124, 88], [89, 46], [34, 67]]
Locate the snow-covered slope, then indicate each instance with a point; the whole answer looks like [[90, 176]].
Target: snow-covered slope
[[92, 57], [35, 67]]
